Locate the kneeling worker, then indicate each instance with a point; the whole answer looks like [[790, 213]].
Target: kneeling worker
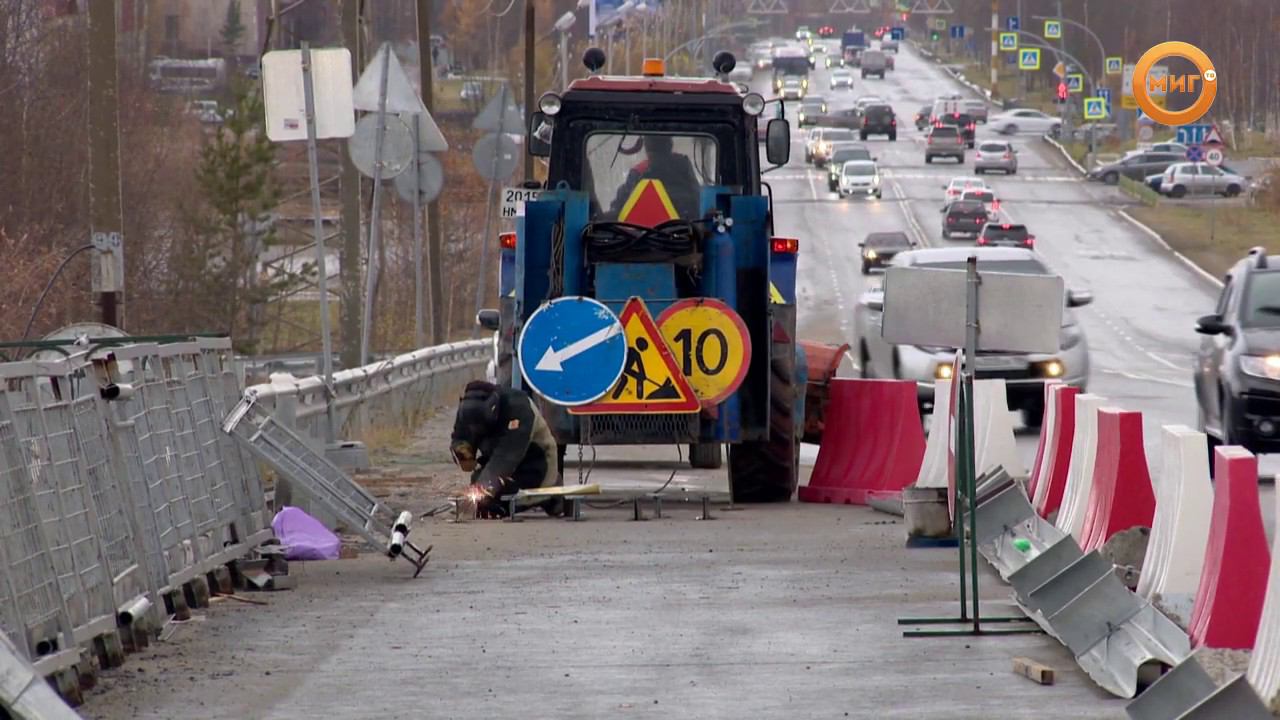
[[501, 439]]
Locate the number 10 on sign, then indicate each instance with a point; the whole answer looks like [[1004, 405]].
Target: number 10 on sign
[[710, 344]]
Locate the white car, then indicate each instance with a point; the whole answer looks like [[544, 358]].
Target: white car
[[957, 187], [841, 78], [860, 177], [1025, 120]]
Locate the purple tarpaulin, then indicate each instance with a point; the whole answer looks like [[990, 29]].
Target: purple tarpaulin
[[304, 537]]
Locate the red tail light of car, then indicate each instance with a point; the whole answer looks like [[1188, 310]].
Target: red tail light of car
[[951, 220], [982, 241], [893, 122], [1007, 156], [1030, 241]]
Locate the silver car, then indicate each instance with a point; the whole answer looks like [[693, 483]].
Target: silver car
[[1198, 178], [841, 78], [995, 155], [1024, 373]]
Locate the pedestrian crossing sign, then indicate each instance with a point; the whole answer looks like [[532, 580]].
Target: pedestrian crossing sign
[[1029, 59], [651, 380], [1115, 65], [1053, 29], [1095, 108], [1008, 41], [649, 205], [1075, 82]]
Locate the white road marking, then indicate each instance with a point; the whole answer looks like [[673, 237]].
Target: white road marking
[[1147, 378]]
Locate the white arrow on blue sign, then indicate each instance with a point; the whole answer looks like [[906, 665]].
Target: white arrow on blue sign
[[1013, 23], [957, 32], [1192, 134], [897, 33], [572, 350]]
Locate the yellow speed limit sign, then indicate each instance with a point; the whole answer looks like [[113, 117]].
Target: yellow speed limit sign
[[710, 344]]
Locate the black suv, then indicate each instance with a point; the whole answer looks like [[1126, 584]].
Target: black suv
[[881, 247], [878, 120], [963, 216], [1237, 375], [964, 122]]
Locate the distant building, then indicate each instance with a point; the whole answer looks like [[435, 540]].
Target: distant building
[[193, 28]]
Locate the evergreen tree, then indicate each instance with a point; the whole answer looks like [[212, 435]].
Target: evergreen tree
[[233, 29]]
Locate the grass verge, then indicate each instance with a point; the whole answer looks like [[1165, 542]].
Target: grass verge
[[1213, 238], [1139, 191]]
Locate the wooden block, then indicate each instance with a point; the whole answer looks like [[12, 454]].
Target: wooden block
[[1028, 668], [348, 553]]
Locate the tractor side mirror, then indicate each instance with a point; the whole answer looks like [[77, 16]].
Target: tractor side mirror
[[488, 319], [777, 143], [540, 126]]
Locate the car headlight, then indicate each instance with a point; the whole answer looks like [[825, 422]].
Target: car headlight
[[871, 254], [1263, 366], [942, 371], [1053, 369]]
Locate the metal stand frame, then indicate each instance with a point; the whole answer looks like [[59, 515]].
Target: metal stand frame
[[966, 490]]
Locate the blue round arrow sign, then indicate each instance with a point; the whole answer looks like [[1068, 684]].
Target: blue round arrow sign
[[572, 350]]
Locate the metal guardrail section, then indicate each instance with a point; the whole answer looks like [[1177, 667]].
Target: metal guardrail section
[[387, 392], [117, 489], [1075, 597], [282, 423]]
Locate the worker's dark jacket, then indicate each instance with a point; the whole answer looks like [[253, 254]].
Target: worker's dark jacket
[[677, 176], [512, 442]]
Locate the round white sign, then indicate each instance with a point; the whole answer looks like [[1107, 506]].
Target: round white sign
[[1145, 133], [1213, 156]]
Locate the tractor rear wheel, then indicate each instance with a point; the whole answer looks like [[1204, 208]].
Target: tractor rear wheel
[[762, 471], [705, 456]]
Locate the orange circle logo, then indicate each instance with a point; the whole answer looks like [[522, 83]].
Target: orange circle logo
[[1208, 88]]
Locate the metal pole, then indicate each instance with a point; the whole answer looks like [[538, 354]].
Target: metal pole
[[968, 468], [349, 259], [1066, 107], [419, 283], [375, 214], [995, 48], [529, 62], [322, 271], [106, 212], [488, 215], [435, 257], [564, 72], [1023, 77]]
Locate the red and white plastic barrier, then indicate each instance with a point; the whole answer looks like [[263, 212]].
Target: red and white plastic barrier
[[1121, 497], [872, 442], [1264, 665], [1237, 559], [1184, 506], [1056, 436], [1075, 496], [1034, 479]]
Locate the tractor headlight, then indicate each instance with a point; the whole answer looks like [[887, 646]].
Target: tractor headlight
[[549, 104], [753, 104]]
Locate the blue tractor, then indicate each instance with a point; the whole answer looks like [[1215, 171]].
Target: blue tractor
[[585, 235]]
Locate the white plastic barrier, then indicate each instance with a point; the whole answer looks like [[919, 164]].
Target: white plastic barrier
[[1264, 665], [1180, 532], [1075, 499], [993, 425], [933, 469], [993, 438]]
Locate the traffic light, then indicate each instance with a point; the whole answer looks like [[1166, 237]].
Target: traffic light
[[904, 17], [934, 36], [1062, 92]]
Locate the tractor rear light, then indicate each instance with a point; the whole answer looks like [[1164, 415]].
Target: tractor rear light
[[507, 240], [654, 67], [784, 245]]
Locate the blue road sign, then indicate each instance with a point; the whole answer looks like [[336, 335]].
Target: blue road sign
[[1013, 23], [1193, 134], [1105, 94], [897, 33], [957, 32], [1195, 154], [572, 350], [1010, 59]]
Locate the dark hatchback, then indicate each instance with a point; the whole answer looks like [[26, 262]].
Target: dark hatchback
[[1237, 369], [967, 125], [963, 216], [880, 248], [878, 120]]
